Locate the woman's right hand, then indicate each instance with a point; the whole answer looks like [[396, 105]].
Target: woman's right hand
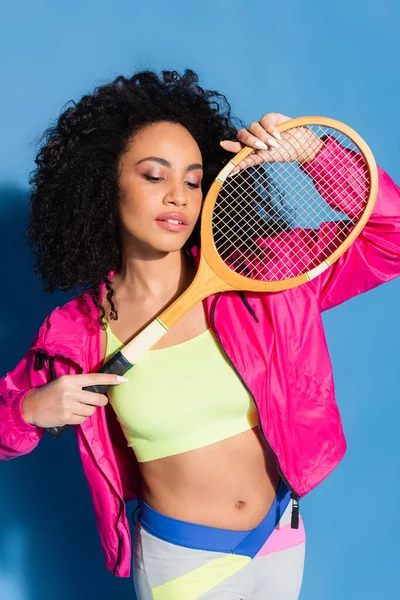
[[64, 402]]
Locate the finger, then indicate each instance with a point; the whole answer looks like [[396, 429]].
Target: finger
[[251, 140], [76, 420], [88, 379], [249, 161], [260, 133], [270, 121], [258, 157], [231, 146], [83, 410], [92, 398]]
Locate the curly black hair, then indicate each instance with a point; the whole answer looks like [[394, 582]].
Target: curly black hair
[[74, 224]]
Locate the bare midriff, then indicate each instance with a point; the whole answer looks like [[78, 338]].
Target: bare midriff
[[230, 484]]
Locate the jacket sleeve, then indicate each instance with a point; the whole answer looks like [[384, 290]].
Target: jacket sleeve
[[374, 257], [17, 437]]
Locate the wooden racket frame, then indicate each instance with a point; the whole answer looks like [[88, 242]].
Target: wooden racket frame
[[216, 276]]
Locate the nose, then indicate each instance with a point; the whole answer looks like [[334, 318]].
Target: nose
[[176, 195]]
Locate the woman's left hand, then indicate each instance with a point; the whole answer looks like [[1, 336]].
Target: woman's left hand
[[299, 144]]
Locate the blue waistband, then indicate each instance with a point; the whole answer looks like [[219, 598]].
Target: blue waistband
[[203, 537]]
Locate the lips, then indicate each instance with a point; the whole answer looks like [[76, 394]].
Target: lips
[[174, 222], [175, 218]]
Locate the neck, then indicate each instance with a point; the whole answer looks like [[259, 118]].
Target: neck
[[163, 275]]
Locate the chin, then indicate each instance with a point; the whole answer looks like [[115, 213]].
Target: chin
[[170, 243], [166, 246], [172, 247]]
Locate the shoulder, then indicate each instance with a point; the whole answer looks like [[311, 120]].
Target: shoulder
[[71, 323], [78, 310]]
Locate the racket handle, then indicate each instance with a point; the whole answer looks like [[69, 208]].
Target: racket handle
[[57, 432], [117, 365]]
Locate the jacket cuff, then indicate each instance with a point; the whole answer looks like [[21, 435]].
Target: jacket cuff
[[18, 419]]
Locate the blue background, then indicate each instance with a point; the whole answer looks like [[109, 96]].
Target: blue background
[[337, 59]]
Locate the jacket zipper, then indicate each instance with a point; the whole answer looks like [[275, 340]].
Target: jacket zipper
[[39, 364], [293, 494]]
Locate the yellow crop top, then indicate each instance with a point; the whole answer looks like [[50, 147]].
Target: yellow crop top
[[180, 398]]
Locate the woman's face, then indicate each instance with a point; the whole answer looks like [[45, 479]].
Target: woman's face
[[160, 189]]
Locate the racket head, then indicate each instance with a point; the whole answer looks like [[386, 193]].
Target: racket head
[[252, 186]]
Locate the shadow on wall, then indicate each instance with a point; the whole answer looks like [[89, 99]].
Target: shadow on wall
[[49, 546]]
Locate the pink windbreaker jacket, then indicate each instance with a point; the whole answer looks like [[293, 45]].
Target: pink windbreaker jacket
[[275, 342]]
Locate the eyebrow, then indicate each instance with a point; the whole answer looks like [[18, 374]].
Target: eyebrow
[[166, 163]]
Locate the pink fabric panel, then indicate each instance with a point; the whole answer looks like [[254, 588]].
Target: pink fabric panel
[[283, 538]]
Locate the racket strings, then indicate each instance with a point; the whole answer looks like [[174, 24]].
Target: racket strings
[[270, 221], [293, 262], [225, 248], [358, 160], [307, 207], [337, 187]]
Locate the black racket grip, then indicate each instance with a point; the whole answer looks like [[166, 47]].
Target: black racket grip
[[57, 432], [117, 365]]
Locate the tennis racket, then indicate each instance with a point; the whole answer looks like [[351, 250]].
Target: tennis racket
[[275, 224]]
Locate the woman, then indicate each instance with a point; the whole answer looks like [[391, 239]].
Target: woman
[[233, 411]]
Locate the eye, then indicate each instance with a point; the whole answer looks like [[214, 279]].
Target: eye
[[151, 178], [194, 186]]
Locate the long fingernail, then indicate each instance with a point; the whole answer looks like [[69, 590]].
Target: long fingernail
[[261, 145], [277, 135], [273, 143], [122, 379]]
